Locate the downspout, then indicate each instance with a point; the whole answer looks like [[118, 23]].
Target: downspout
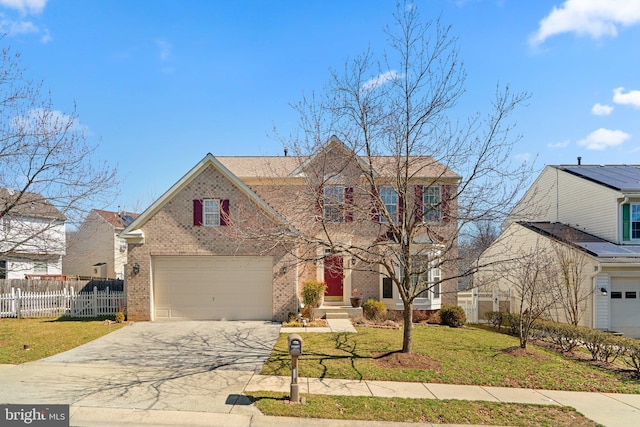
[[619, 221], [594, 287]]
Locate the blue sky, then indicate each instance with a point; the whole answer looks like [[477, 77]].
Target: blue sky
[[158, 84]]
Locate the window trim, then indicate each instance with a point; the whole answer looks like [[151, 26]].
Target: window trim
[[632, 235], [395, 204], [211, 212], [334, 210], [431, 210]]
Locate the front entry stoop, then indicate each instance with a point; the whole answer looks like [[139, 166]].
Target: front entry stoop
[[338, 312]]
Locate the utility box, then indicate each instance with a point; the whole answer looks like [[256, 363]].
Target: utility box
[[99, 270]]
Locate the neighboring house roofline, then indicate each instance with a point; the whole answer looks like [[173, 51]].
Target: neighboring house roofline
[[624, 178], [604, 250], [115, 219], [133, 233], [29, 205]]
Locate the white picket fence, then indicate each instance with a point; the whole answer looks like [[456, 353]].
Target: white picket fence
[[61, 303]]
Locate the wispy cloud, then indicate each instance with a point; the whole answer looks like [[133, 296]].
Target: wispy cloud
[[632, 97], [601, 110], [523, 157], [380, 80], [602, 139], [26, 7], [595, 18], [165, 50], [16, 26], [561, 144]]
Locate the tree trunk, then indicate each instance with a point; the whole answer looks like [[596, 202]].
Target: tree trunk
[[407, 337]]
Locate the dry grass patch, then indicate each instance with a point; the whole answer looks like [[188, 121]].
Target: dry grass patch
[[47, 336]]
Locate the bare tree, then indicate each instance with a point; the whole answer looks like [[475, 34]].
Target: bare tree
[[571, 292], [46, 164], [473, 242], [398, 109], [532, 277]]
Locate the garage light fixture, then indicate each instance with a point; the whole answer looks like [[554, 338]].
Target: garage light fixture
[[603, 290], [135, 268]]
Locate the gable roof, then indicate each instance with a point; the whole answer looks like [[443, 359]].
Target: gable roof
[[582, 240], [290, 166], [28, 205], [119, 220], [133, 231], [624, 178]]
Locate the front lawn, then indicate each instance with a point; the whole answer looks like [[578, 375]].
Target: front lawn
[[47, 336], [421, 411], [458, 356]]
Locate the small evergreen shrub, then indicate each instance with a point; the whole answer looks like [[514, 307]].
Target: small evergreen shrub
[[312, 297], [452, 315], [374, 310], [119, 317]]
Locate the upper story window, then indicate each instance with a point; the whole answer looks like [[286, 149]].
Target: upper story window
[[431, 203], [389, 198], [635, 221], [336, 201], [211, 212]]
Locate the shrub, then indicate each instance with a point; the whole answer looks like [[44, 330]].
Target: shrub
[[452, 315], [565, 336], [374, 310], [604, 347], [119, 317], [495, 318], [312, 296], [512, 321], [632, 353]]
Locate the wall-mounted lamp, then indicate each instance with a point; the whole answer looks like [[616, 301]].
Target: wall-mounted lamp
[[603, 290], [353, 261], [135, 268]]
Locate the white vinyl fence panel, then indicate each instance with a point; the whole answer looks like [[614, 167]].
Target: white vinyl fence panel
[[61, 303], [477, 303]]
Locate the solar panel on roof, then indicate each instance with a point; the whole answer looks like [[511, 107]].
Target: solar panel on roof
[[625, 178], [126, 220]]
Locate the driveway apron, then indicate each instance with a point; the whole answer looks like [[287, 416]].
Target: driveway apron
[[182, 366]]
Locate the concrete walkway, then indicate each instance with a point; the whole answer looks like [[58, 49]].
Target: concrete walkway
[[333, 325]]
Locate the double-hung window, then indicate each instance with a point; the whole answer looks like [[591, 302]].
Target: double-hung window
[[333, 203], [431, 203], [389, 198], [211, 212]]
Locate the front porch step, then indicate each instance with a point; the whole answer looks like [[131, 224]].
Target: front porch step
[[338, 312]]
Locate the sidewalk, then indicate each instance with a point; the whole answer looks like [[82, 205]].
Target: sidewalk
[[609, 409], [606, 409]]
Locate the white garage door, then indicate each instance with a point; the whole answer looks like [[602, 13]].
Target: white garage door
[[625, 306], [212, 288]]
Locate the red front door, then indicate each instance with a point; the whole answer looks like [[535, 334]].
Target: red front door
[[333, 278]]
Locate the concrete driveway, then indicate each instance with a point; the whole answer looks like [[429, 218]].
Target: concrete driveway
[[177, 366], [206, 345]]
